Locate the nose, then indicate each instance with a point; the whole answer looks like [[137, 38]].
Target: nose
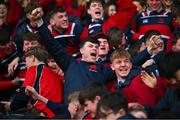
[[102, 44], [29, 46], [122, 63], [65, 18]]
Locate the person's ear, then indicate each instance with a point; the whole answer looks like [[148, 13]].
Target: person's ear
[[89, 11], [34, 58], [28, 15], [52, 22], [81, 51], [97, 98], [173, 48], [122, 112], [112, 67]]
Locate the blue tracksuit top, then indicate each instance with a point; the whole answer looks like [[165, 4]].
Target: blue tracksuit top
[[77, 74]]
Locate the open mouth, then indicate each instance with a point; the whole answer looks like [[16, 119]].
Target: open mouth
[[93, 54], [102, 48], [123, 70], [98, 13]]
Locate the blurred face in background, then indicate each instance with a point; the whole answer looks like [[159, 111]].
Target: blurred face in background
[[103, 47], [139, 7], [29, 44], [3, 10], [167, 2], [112, 10], [96, 10], [176, 47], [154, 5], [54, 67]]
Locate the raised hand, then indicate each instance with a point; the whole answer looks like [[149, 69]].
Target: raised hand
[[148, 63], [149, 80], [37, 13]]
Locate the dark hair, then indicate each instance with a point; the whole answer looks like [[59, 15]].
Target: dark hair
[[115, 36], [91, 91], [135, 48], [176, 37], [88, 39], [92, 1], [5, 3], [150, 33], [39, 53], [31, 6], [30, 36], [176, 8], [169, 64], [103, 36], [56, 10], [106, 8], [141, 2], [111, 102]]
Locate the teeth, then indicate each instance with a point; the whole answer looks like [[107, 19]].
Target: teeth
[[123, 69]]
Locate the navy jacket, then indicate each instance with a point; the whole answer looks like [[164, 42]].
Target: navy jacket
[[77, 74], [59, 109], [170, 101]]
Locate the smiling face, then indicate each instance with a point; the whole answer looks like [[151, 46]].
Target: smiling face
[[139, 7], [122, 67], [3, 10], [112, 10], [29, 44], [89, 52], [60, 20], [154, 5], [96, 10], [121, 63], [90, 106]]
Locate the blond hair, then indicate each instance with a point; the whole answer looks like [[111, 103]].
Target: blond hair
[[120, 53]]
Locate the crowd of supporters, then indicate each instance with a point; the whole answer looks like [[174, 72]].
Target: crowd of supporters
[[89, 59]]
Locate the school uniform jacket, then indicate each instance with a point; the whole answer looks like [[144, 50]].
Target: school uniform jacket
[[135, 90], [46, 83], [121, 19], [69, 38], [77, 73], [161, 21]]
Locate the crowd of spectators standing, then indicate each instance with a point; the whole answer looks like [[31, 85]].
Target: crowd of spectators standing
[[89, 59]]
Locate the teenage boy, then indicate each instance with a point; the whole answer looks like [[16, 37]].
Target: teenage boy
[[97, 24], [45, 81], [77, 73], [133, 82]]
